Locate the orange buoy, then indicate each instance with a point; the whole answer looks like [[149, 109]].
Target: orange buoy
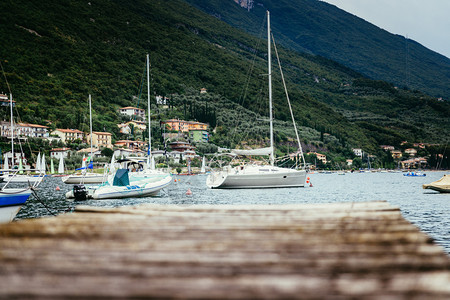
[[57, 188], [307, 178], [189, 192]]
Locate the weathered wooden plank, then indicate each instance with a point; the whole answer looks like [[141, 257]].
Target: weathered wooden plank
[[360, 250]]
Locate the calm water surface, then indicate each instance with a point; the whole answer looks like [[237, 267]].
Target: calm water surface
[[428, 210]]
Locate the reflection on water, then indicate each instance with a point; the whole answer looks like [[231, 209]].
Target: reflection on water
[[429, 210]]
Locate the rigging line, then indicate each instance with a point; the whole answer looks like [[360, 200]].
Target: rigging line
[[42, 202], [247, 83], [141, 85], [440, 161], [19, 119], [4, 75], [289, 102], [17, 111]]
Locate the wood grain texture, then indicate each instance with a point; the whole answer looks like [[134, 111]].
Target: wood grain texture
[[361, 250]]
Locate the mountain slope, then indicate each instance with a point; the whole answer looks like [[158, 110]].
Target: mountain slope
[[55, 53], [323, 29]]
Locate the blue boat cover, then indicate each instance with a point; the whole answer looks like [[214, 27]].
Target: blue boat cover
[[121, 178]]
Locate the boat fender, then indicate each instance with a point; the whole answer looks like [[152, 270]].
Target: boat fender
[[79, 192]]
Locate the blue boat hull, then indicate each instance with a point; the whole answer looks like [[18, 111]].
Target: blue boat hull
[[11, 200]]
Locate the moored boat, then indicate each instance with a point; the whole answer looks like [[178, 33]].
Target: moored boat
[[256, 176], [415, 174], [11, 200], [442, 185], [250, 175], [121, 185]]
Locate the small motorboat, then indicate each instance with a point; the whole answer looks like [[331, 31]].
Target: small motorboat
[[442, 185], [121, 185], [415, 174]]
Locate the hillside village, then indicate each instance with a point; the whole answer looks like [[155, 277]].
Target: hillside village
[[180, 138]]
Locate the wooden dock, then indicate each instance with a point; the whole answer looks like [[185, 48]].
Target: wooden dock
[[329, 251]]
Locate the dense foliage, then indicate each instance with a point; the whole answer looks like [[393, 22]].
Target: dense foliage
[[55, 53], [320, 28]]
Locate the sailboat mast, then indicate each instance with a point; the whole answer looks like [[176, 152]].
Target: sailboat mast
[[12, 130], [269, 60], [90, 121], [148, 107]]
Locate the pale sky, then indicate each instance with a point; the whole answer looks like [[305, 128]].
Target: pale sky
[[425, 21]]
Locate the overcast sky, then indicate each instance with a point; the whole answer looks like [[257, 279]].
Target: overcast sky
[[425, 21]]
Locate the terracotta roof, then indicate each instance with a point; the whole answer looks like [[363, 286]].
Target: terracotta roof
[[70, 130], [32, 125], [88, 150], [131, 107], [60, 149]]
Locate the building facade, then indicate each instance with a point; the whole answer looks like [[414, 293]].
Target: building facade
[[127, 144], [100, 139], [24, 130], [198, 135], [57, 153], [132, 111], [69, 135], [184, 126], [138, 126]]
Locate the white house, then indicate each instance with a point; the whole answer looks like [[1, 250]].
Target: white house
[[132, 111], [56, 153], [122, 152], [358, 152], [24, 129], [87, 151]]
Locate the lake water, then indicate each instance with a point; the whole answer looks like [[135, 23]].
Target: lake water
[[428, 210]]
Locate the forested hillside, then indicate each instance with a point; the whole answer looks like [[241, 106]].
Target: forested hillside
[[55, 53], [320, 28]]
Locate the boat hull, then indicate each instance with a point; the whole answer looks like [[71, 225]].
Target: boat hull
[[147, 187], [256, 177], [80, 179], [11, 200], [16, 178], [442, 185]]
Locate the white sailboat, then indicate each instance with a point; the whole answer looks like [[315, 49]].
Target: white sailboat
[[129, 177], [86, 177], [259, 176], [203, 167], [147, 168], [13, 175], [12, 199], [61, 165]]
